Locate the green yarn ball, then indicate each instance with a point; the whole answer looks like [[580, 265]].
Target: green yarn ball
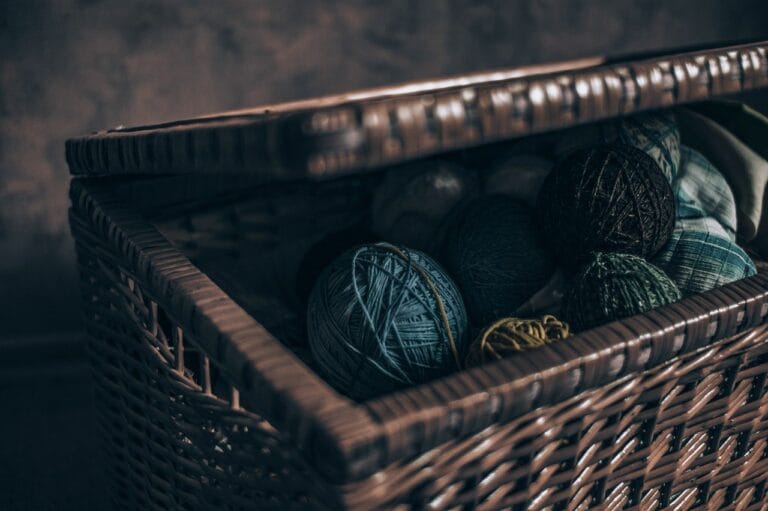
[[382, 317], [615, 286], [494, 253]]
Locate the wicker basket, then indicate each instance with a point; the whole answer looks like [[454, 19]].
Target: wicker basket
[[202, 407]]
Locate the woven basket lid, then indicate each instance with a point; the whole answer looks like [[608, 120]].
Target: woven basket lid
[[372, 128]]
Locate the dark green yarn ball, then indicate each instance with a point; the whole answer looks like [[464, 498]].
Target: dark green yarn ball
[[493, 251], [607, 198], [615, 286]]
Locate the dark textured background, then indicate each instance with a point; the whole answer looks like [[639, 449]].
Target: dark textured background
[[69, 67]]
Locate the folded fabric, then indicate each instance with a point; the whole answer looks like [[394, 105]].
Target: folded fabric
[[746, 123], [698, 261], [703, 193], [744, 169], [655, 133]]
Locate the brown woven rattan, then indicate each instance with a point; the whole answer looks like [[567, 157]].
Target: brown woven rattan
[[205, 397], [202, 408]]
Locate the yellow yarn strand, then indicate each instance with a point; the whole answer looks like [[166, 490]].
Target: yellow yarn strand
[[438, 301], [513, 335]]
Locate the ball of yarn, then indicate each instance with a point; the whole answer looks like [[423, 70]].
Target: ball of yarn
[[654, 133], [702, 192], [698, 261], [615, 286], [518, 176], [495, 255], [606, 199], [383, 317], [508, 336], [411, 202]]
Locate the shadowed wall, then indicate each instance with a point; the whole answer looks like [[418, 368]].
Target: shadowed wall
[[70, 67]]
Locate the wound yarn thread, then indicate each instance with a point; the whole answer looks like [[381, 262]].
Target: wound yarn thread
[[654, 133], [383, 317], [615, 286], [608, 198], [508, 336], [494, 253]]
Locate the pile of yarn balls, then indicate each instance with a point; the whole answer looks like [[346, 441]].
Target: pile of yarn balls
[[617, 218]]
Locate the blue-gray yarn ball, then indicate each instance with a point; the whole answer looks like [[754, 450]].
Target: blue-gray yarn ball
[[493, 251], [698, 261], [382, 317]]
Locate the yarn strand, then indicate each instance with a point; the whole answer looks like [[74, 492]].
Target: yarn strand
[[438, 300], [512, 335]]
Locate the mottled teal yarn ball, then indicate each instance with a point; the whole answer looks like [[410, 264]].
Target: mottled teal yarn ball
[[493, 251], [698, 260], [615, 286], [382, 317]]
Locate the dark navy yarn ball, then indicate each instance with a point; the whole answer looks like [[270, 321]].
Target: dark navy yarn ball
[[382, 317], [607, 198], [493, 251], [615, 286]]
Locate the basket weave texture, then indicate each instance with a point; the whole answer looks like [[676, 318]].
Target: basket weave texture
[[200, 408]]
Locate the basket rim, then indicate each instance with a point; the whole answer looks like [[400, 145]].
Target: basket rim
[[347, 441], [325, 137]]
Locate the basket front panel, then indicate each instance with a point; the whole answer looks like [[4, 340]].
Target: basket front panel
[[174, 433], [689, 434]]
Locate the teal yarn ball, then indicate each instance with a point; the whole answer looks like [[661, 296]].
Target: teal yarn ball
[[655, 133], [615, 286], [493, 251], [698, 261], [382, 317]]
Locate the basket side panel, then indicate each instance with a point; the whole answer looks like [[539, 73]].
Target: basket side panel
[[689, 434], [171, 425]]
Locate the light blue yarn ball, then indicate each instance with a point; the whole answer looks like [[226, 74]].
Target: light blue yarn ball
[[698, 261], [382, 317]]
